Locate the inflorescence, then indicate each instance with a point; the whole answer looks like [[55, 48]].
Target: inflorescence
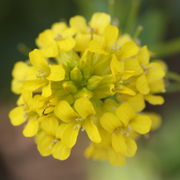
[[87, 78]]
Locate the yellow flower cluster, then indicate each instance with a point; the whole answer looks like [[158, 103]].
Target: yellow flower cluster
[[87, 77]]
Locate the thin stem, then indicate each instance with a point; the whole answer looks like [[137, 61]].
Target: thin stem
[[111, 9], [132, 18], [138, 31], [167, 48], [173, 76]]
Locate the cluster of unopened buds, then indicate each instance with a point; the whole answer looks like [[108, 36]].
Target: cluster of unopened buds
[[87, 78]]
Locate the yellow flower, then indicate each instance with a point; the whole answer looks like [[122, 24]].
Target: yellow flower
[[82, 117], [123, 123], [87, 76], [53, 40], [86, 32]]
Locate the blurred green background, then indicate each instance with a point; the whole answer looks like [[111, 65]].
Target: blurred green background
[[22, 20]]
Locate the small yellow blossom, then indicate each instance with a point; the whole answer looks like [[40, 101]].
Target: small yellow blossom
[[87, 78]]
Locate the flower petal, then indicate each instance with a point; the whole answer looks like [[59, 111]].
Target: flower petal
[[57, 73], [70, 134], [61, 151], [117, 159], [119, 143], [142, 84], [117, 67], [125, 113], [99, 21], [49, 124], [65, 112], [92, 131], [31, 128], [110, 122], [38, 60], [141, 124], [78, 23], [129, 49], [17, 116], [155, 100], [84, 107], [111, 34], [137, 102], [143, 55], [131, 147], [44, 143]]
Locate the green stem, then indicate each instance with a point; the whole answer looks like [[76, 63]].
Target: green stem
[[132, 18], [138, 32], [111, 9], [173, 76], [167, 48]]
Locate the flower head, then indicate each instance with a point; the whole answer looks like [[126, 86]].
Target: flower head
[[87, 78]]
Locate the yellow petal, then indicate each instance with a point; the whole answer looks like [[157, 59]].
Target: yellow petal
[[99, 21], [60, 151], [37, 60], [70, 134], [82, 41], [154, 99], [89, 151], [92, 131], [44, 144], [125, 113], [155, 119], [49, 124], [97, 45], [133, 65], [156, 72], [128, 74], [78, 23], [65, 112], [129, 49], [31, 128], [142, 84], [116, 159], [47, 91], [110, 122], [60, 130], [45, 39], [125, 90], [137, 102], [117, 67], [158, 86], [119, 143], [66, 44], [124, 38], [57, 73], [143, 55], [84, 107], [17, 116], [141, 124], [32, 85], [111, 34], [20, 70], [131, 147], [50, 51], [59, 27]]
